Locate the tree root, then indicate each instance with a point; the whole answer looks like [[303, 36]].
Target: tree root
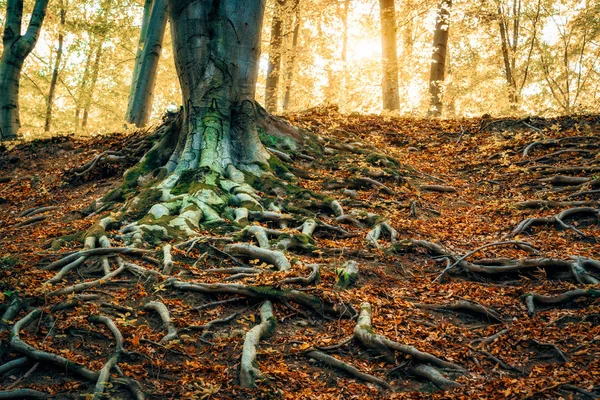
[[21, 347], [95, 252], [438, 188], [489, 339], [37, 210], [353, 371], [87, 285], [272, 257], [434, 376], [23, 394], [269, 293], [485, 313], [347, 276], [556, 204], [17, 363], [557, 219], [310, 279], [113, 360], [531, 299], [163, 312], [373, 236], [363, 332], [249, 371]]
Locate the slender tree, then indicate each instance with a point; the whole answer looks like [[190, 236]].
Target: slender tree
[[272, 84], [438, 59], [290, 64], [146, 67], [389, 81], [55, 70], [16, 48]]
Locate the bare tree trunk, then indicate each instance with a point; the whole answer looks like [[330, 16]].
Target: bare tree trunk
[[92, 87], [508, 66], [137, 66], [438, 59], [16, 48], [272, 84], [389, 82], [55, 69], [142, 91], [291, 57], [218, 78], [81, 92]]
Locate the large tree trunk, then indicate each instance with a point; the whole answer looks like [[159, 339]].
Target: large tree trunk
[[438, 59], [216, 47], [389, 82], [16, 48], [55, 69], [272, 84], [144, 78]]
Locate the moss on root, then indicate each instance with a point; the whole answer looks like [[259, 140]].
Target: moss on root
[[197, 179]]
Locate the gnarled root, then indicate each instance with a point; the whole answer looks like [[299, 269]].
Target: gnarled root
[[484, 313], [531, 299], [350, 369], [558, 219], [249, 371], [165, 317], [363, 332]]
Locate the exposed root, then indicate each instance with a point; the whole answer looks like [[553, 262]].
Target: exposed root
[[113, 360], [21, 347], [95, 252], [249, 371], [485, 313], [353, 371], [347, 275], [309, 280], [556, 204], [163, 312], [533, 299], [272, 257], [434, 376], [37, 210], [363, 332], [87, 285], [489, 339], [558, 219], [438, 188], [23, 394], [270, 293], [373, 236], [218, 303], [167, 260], [14, 364]]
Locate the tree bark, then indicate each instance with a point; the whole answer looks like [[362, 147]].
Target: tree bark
[[16, 48], [92, 87], [55, 69], [291, 58], [137, 66], [142, 88], [389, 82], [216, 48], [272, 84], [438, 60], [506, 56]]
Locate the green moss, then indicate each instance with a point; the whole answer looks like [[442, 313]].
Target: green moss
[[197, 179], [144, 202], [8, 262], [304, 239], [345, 280], [278, 167], [96, 231], [382, 160]]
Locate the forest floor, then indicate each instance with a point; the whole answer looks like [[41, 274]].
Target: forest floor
[[464, 184]]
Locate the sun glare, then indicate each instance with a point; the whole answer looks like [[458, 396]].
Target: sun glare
[[364, 48]]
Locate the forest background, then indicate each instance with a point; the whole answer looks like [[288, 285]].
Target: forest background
[[504, 57]]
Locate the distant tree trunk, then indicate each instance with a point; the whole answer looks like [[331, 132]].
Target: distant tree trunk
[[291, 60], [139, 107], [55, 69], [92, 87], [272, 84], [16, 48], [137, 66], [438, 60], [506, 56], [344, 84], [81, 92], [389, 82]]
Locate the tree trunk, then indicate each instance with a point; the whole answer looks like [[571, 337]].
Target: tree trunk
[[92, 86], [142, 88], [137, 66], [216, 48], [16, 48], [389, 82], [508, 66], [438, 59], [55, 69], [291, 59], [272, 84], [81, 92]]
